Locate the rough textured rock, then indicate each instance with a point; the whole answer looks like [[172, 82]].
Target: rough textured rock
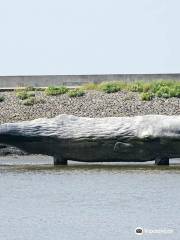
[[67, 137]]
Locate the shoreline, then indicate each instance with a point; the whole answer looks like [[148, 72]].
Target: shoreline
[[93, 104]]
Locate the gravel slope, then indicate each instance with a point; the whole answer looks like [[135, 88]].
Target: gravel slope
[[92, 104]]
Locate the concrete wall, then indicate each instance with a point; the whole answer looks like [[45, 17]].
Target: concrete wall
[[76, 80]]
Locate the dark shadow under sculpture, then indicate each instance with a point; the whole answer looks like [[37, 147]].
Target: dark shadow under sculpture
[[113, 139]]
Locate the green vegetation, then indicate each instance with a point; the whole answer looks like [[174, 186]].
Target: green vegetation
[[24, 95], [147, 90], [76, 92], [135, 87], [163, 92], [32, 100], [146, 96], [29, 101], [168, 92], [27, 96], [89, 86], [108, 87], [53, 91], [21, 95], [2, 98], [111, 87]]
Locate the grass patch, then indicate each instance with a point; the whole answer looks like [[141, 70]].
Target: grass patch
[[21, 95], [164, 92], [147, 90], [32, 100], [135, 86], [162, 89], [168, 92], [111, 87], [76, 92], [146, 96], [24, 95], [53, 91], [90, 86], [29, 102]]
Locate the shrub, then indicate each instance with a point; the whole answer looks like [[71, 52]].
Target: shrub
[[51, 90], [157, 85], [110, 87], [76, 92], [165, 92], [29, 101], [1, 98], [135, 87], [147, 87], [146, 96], [30, 94], [175, 92], [24, 95]]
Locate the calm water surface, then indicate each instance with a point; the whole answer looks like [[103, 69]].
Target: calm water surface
[[93, 202]]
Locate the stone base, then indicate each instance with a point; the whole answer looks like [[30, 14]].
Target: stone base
[[58, 160], [162, 161]]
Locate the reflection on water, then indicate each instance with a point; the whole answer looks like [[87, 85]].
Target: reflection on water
[[86, 201]]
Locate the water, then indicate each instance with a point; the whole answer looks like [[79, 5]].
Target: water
[[87, 201]]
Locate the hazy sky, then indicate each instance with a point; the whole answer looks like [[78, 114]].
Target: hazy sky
[[89, 36]]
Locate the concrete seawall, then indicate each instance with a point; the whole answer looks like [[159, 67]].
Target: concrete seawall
[[77, 80]]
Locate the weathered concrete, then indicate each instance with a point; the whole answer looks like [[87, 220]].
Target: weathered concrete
[[113, 139], [77, 80]]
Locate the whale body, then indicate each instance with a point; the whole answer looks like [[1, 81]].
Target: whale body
[[110, 139]]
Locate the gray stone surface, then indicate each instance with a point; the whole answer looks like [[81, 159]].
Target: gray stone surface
[[112, 139]]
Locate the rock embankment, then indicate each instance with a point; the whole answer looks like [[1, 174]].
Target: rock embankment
[[92, 104]]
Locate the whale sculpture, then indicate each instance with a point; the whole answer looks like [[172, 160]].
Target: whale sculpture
[[111, 139]]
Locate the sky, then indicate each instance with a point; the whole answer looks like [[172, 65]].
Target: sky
[[89, 36]]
